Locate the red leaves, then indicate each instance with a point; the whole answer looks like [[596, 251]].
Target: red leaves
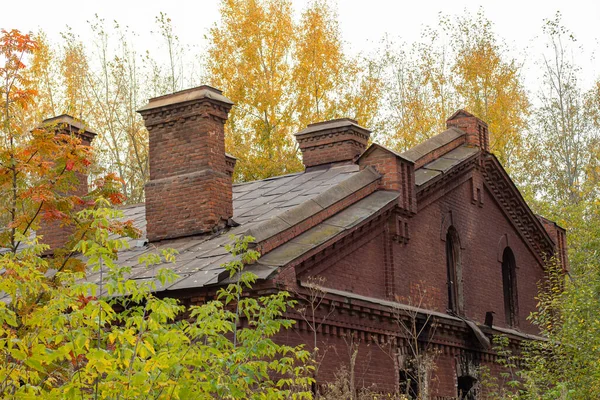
[[69, 165], [116, 198], [84, 300], [53, 214], [75, 361]]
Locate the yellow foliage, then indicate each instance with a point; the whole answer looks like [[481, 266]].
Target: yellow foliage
[[460, 64], [489, 85], [282, 75]]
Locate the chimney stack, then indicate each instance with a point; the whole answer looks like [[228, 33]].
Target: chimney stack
[[476, 129], [335, 141], [190, 187], [55, 235]]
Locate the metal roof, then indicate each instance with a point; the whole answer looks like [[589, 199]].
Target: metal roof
[[256, 204], [444, 164], [267, 207]]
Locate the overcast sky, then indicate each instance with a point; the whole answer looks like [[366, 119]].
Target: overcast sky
[[363, 22]]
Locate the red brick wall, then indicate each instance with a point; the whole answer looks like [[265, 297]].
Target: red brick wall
[[476, 130], [374, 365], [397, 174], [480, 230], [338, 149], [361, 272], [484, 231]]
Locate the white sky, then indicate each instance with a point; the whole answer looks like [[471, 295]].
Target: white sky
[[363, 22]]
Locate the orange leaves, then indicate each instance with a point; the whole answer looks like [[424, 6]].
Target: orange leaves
[[125, 229], [13, 42], [14, 46], [116, 198]]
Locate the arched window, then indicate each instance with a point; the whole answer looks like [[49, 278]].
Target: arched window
[[509, 285], [454, 271]]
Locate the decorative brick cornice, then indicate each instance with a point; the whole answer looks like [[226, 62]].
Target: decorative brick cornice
[[230, 162], [311, 140], [340, 140], [66, 124], [374, 323], [167, 116], [516, 209]]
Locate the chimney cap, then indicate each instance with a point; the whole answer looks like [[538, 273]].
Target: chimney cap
[[69, 123], [197, 93], [332, 124]]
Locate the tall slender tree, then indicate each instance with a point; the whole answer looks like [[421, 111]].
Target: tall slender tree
[[283, 75]]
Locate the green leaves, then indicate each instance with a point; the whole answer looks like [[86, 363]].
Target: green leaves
[[63, 337]]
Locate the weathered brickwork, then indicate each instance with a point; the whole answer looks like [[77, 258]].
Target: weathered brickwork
[[481, 231], [404, 256], [420, 265], [387, 271], [476, 129], [433, 255], [190, 187], [332, 142], [397, 174], [54, 233]]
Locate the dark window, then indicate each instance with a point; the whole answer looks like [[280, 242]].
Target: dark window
[[453, 268], [467, 389], [509, 284], [409, 385]]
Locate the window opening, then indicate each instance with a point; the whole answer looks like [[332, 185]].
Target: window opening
[[509, 285], [453, 270], [467, 389], [409, 384]]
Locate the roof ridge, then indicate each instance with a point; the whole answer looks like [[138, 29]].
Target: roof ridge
[[268, 179], [424, 149], [311, 208]]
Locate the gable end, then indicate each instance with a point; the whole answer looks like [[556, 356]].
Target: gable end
[[514, 206]]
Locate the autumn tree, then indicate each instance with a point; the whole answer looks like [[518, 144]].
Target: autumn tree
[[565, 129], [461, 63], [562, 175], [489, 84], [419, 93], [282, 75], [561, 159], [63, 336]]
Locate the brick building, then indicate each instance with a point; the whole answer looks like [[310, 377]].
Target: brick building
[[437, 238]]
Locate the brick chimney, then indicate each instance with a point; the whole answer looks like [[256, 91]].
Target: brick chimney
[[335, 141], [55, 235], [476, 129], [190, 188]]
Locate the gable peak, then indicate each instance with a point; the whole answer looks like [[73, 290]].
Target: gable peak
[[475, 128]]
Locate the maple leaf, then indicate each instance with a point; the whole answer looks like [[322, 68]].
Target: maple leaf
[[69, 165]]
